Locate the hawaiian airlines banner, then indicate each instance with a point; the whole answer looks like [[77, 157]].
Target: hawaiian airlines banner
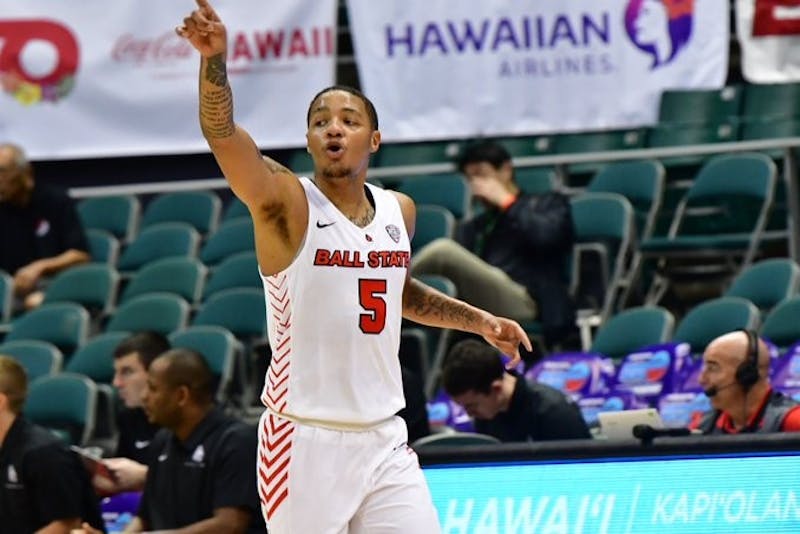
[[437, 68], [769, 33], [93, 78]]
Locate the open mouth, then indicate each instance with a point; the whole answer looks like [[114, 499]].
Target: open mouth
[[334, 149]]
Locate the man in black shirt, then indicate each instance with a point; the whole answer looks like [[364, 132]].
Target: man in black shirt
[[511, 259], [132, 358], [503, 404], [204, 473], [44, 485], [40, 233]]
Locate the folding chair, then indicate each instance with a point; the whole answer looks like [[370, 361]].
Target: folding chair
[[723, 215]]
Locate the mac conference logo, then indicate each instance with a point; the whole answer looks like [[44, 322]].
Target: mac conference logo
[[38, 60], [660, 28]]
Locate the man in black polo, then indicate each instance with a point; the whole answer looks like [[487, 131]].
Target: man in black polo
[[45, 487], [204, 472], [503, 403], [40, 233]]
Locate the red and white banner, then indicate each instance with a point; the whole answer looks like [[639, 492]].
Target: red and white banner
[[440, 68], [769, 34], [93, 78]]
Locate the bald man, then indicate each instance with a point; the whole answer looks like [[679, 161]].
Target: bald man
[[41, 233], [202, 476], [744, 403]]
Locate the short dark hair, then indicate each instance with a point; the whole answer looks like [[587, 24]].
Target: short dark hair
[[371, 113], [147, 344], [471, 365], [13, 383], [186, 367], [486, 151]]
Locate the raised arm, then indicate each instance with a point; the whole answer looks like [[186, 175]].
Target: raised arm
[[272, 193], [425, 305]]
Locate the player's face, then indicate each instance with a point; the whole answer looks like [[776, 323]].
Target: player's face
[[130, 379], [340, 136]]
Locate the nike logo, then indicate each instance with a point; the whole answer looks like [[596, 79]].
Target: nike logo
[[162, 457], [320, 225], [141, 444]]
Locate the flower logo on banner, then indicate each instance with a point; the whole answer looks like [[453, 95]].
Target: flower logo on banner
[[38, 60], [661, 28]]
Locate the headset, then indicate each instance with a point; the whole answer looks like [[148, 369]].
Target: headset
[[747, 372]]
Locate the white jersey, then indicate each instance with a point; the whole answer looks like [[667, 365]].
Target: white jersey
[[334, 317]]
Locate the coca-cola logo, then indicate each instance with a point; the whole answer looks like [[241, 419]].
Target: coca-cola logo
[[38, 60], [164, 48]]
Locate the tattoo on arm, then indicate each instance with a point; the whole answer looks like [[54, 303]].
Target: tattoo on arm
[[216, 99], [426, 304], [216, 72]]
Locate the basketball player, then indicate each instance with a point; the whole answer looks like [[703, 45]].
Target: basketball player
[[334, 256]]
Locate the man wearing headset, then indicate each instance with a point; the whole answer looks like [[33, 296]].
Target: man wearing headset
[[735, 376]]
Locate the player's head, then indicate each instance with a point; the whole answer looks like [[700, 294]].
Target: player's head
[[179, 382], [132, 358], [342, 132], [16, 175], [369, 107], [472, 375], [13, 386]]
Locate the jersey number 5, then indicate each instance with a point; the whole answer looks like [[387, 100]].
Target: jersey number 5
[[369, 296]]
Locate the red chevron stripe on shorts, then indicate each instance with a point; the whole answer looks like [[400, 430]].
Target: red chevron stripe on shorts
[[274, 457]]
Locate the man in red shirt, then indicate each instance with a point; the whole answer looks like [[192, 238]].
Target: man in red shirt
[[735, 376]]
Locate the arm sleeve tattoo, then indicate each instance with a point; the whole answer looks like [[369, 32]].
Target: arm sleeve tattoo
[[216, 99]]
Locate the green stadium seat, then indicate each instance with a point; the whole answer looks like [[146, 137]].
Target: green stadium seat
[[93, 286], [103, 247], [433, 222], [39, 358], [767, 283], [402, 154], [64, 324], [781, 326], [181, 276], [159, 312], [199, 209], [632, 330], [64, 402], [160, 241], [713, 318], [238, 270], [117, 215], [770, 101], [449, 190], [699, 106], [232, 237]]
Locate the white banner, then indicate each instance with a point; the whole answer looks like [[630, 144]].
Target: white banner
[[769, 35], [439, 69], [96, 78]]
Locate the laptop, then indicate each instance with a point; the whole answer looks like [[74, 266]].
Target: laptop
[[619, 425]]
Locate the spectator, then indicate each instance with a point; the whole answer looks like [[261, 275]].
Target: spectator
[[204, 475], [735, 376], [45, 486], [503, 403], [510, 260], [132, 358], [41, 235]]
